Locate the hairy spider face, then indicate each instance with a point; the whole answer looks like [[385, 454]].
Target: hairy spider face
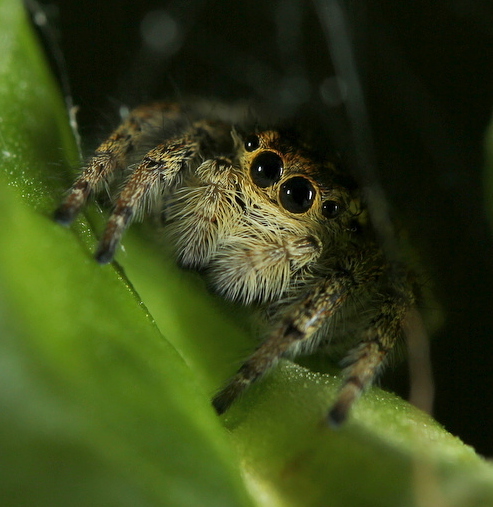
[[259, 220]]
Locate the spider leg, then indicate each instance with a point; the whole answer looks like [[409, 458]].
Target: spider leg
[[369, 356], [160, 168], [113, 155], [320, 304]]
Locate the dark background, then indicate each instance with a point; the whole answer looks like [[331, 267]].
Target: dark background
[[426, 68]]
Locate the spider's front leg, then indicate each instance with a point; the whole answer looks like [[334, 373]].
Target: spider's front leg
[[369, 356], [296, 328]]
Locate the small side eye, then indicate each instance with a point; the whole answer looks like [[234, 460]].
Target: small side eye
[[266, 169], [331, 209], [252, 142], [297, 194]]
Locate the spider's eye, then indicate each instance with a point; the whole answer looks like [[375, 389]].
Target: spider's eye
[[297, 194], [331, 209], [252, 142], [266, 169]]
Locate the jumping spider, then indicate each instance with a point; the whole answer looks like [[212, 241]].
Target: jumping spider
[[269, 221]]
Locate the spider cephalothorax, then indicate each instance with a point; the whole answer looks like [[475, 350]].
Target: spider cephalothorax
[[258, 220], [268, 220]]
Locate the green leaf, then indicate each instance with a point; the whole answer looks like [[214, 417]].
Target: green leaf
[[97, 407], [105, 385]]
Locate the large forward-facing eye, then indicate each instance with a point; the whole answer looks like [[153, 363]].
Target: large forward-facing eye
[[297, 194], [266, 169]]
